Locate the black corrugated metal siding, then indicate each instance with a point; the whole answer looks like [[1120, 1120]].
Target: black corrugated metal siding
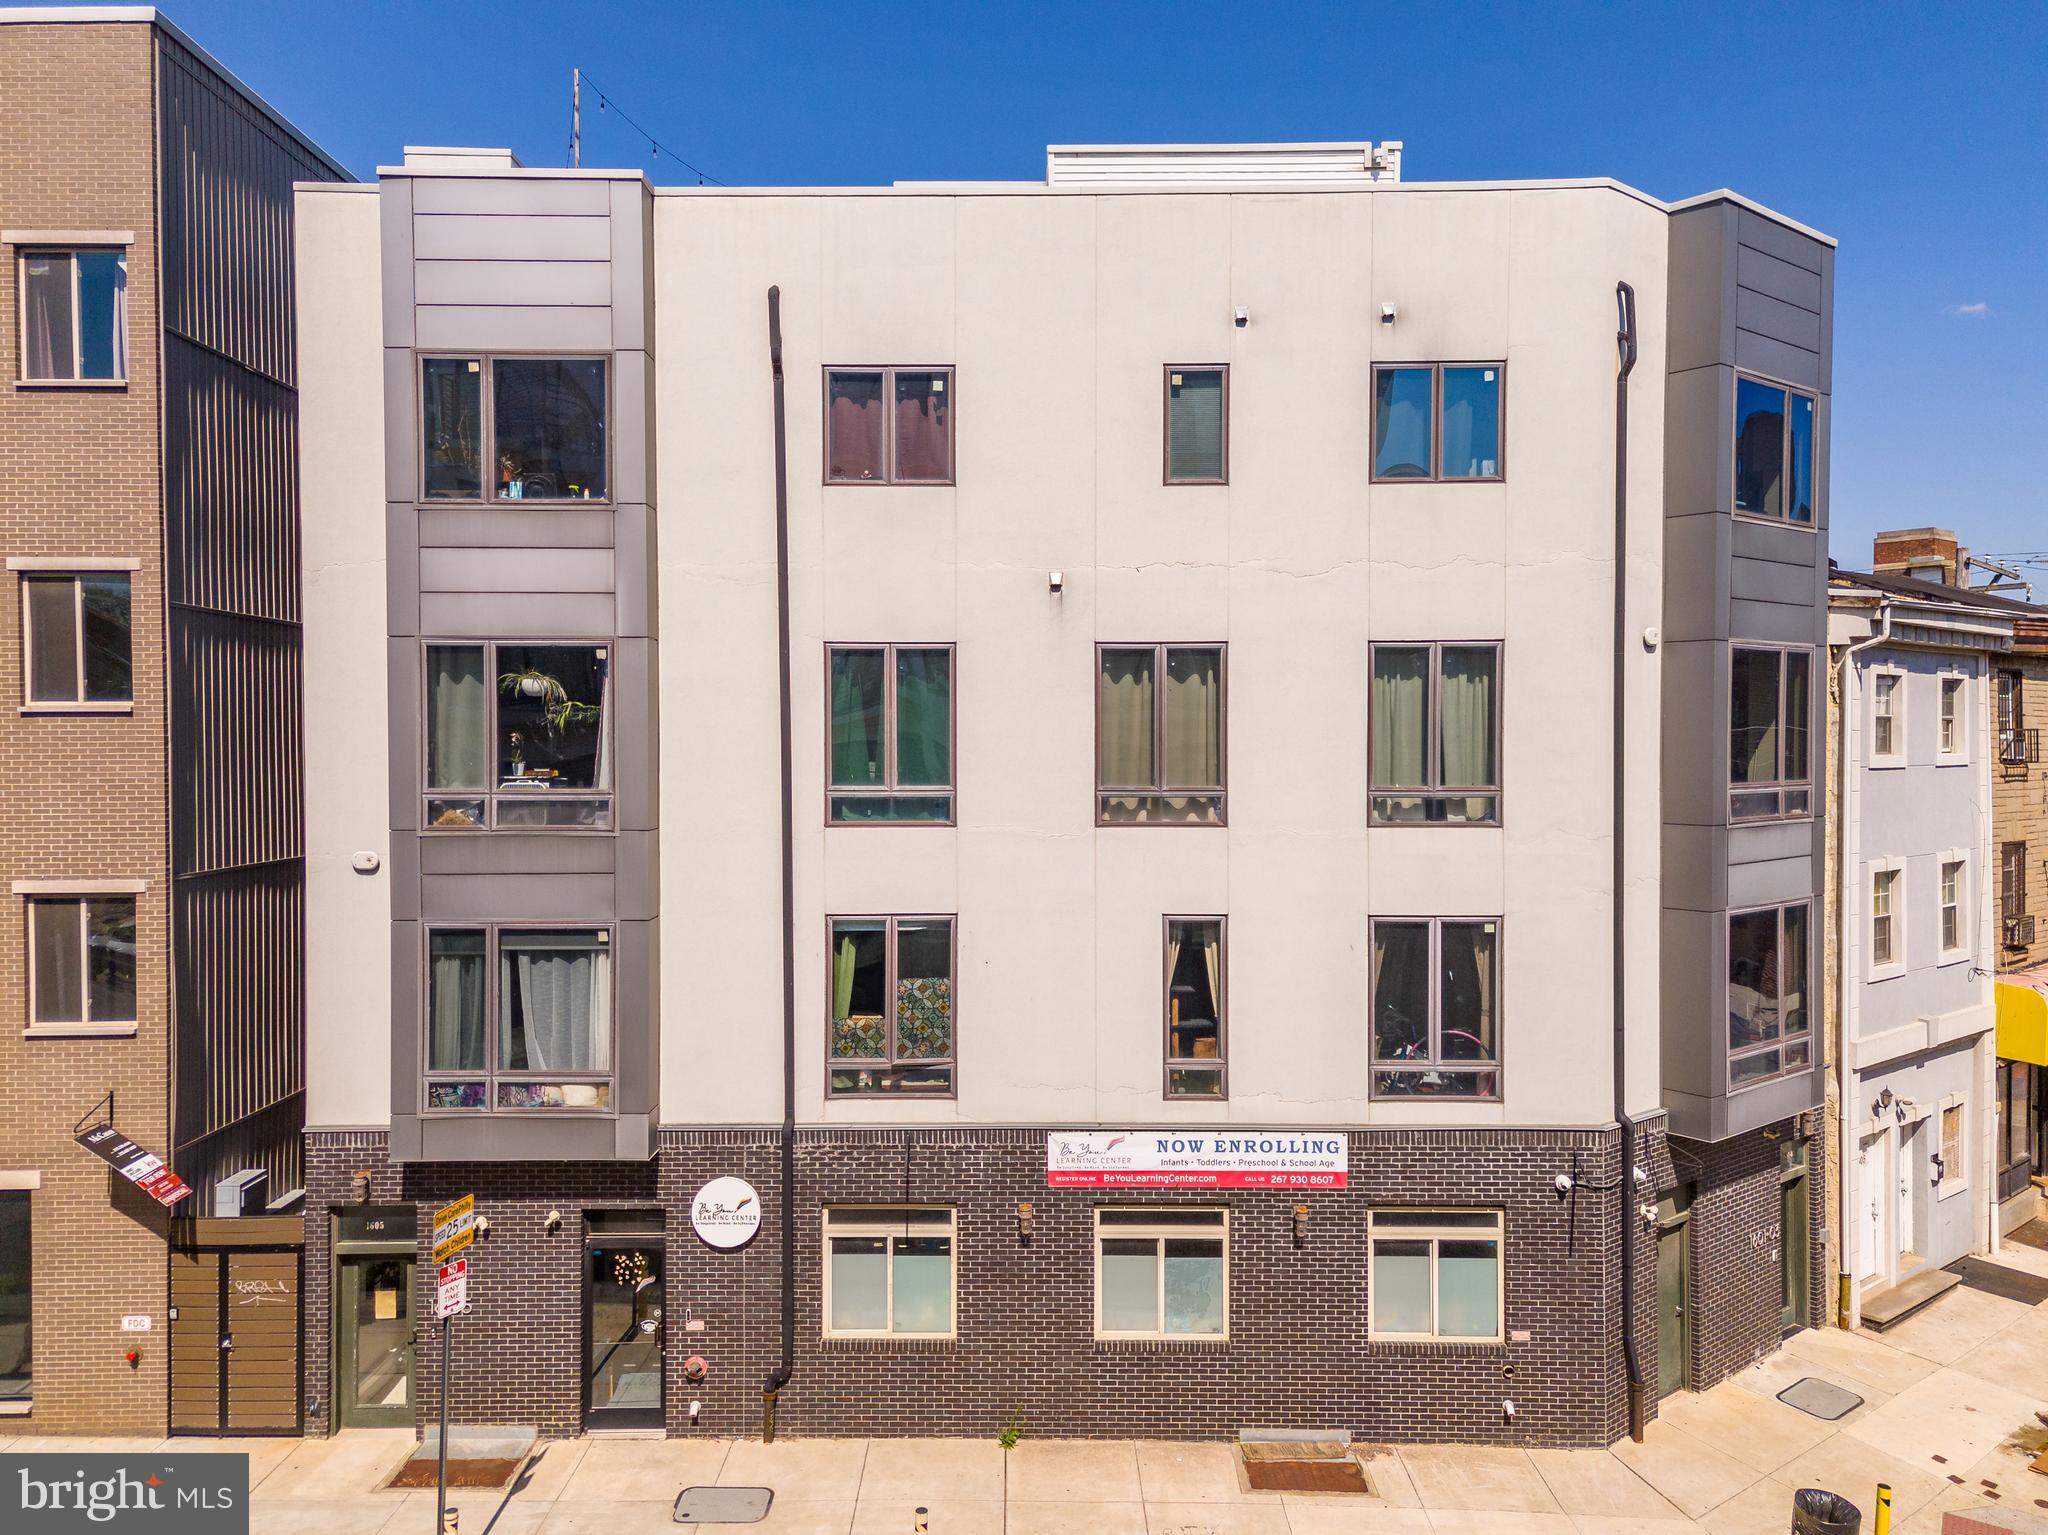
[[231, 540]]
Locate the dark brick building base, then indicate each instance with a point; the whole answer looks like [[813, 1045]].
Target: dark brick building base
[[1298, 1354]]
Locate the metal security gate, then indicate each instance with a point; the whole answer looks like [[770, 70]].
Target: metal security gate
[[236, 1331]]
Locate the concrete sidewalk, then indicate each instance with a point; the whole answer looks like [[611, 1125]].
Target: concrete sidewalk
[[1949, 1416]]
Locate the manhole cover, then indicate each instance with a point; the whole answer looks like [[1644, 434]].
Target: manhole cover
[[723, 1505], [1823, 1399]]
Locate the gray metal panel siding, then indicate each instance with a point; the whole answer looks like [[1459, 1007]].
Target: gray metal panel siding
[[510, 196], [513, 328], [475, 237], [237, 791], [581, 283], [521, 615], [504, 852], [445, 526], [515, 570], [531, 895]]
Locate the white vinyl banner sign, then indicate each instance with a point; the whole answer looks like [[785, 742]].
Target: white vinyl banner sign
[[1196, 1159]]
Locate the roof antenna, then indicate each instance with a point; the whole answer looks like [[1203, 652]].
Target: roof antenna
[[576, 118]]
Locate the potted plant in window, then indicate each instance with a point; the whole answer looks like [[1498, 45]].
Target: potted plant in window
[[559, 710]]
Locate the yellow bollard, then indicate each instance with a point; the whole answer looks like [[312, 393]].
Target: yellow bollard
[[1884, 1509]]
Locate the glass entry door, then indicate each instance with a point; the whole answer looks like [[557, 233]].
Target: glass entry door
[[624, 1329], [374, 1382]]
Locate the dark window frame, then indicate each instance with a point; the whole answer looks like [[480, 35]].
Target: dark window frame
[[1166, 373], [75, 578], [890, 788], [487, 429], [1784, 519], [491, 1074], [892, 1062], [1785, 1038], [1784, 791], [889, 370], [70, 253], [1219, 1063], [1436, 475], [1433, 725], [22, 1256], [491, 793], [1435, 1060], [1220, 791]]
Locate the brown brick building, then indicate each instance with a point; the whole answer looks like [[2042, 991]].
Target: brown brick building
[[150, 839]]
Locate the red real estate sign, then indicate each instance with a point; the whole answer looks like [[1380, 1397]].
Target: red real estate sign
[[146, 1171], [1196, 1159]]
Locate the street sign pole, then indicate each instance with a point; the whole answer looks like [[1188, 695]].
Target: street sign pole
[[441, 1480], [454, 1230]]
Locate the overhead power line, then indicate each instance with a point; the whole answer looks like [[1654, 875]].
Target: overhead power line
[[608, 102]]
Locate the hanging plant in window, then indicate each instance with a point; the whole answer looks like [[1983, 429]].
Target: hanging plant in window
[[631, 1270], [560, 710]]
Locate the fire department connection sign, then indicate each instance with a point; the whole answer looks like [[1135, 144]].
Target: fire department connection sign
[[1195, 1159]]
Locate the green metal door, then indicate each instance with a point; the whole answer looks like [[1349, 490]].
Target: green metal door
[[1674, 1282], [373, 1375]]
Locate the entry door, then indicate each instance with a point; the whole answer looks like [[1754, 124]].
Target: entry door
[[1674, 1282], [623, 1331], [373, 1376], [235, 1337], [1904, 1168], [1877, 1184], [1792, 1249]]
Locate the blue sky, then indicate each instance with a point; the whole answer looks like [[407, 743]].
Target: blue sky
[[1918, 137]]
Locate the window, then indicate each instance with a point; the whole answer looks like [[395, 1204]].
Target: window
[[1886, 887], [888, 1273], [1159, 750], [1436, 1008], [1435, 728], [1162, 1273], [1955, 1148], [2015, 1084], [1952, 716], [519, 736], [1197, 426], [891, 733], [1770, 968], [1435, 1275], [76, 634], [1437, 421], [1887, 725], [888, 426], [1769, 715], [17, 1374], [1953, 944], [1773, 451], [1196, 985], [82, 962], [2012, 880], [2013, 745], [539, 423], [892, 1007], [519, 1018], [74, 316]]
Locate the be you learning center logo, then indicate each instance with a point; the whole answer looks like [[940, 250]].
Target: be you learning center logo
[[143, 1494]]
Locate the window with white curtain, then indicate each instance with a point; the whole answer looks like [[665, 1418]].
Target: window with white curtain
[[1434, 725], [518, 735], [1159, 717], [889, 1272], [74, 316], [518, 1018], [1435, 1275], [1770, 975]]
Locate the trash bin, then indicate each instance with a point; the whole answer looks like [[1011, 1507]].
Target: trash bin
[[1815, 1512]]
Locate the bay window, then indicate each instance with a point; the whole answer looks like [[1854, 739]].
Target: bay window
[[1774, 461], [1770, 973], [1435, 734], [889, 1272], [891, 745], [1435, 1276], [517, 736], [1159, 734], [518, 1018], [514, 428], [1770, 771], [1195, 990], [1436, 1007], [74, 316], [888, 426], [1162, 1273], [891, 1026]]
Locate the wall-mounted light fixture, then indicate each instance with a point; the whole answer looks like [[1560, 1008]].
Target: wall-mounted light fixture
[[554, 1220], [1024, 1213], [1301, 1225], [1055, 581], [1386, 314], [361, 1189], [1241, 317]]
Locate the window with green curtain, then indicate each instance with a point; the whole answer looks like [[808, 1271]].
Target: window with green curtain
[[1466, 711], [1194, 718], [1400, 716], [924, 699], [1124, 719], [457, 698], [1194, 424], [857, 749]]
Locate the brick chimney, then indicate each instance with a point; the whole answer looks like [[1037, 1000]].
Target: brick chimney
[[1925, 554]]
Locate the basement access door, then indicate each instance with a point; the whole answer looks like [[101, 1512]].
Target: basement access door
[[235, 1338]]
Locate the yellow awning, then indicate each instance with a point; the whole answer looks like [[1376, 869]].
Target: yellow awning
[[2022, 1024]]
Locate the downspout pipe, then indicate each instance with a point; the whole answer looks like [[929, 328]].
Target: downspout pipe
[[780, 1375], [1847, 1312], [1625, 1199]]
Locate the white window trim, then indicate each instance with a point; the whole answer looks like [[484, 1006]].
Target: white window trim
[[1218, 1232], [80, 886], [1964, 941], [72, 890], [1896, 966], [1954, 1180], [1436, 1235], [70, 247], [1896, 757], [81, 704], [67, 237], [948, 1228], [61, 564], [1959, 754]]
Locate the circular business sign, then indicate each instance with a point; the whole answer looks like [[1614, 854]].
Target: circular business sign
[[726, 1212]]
